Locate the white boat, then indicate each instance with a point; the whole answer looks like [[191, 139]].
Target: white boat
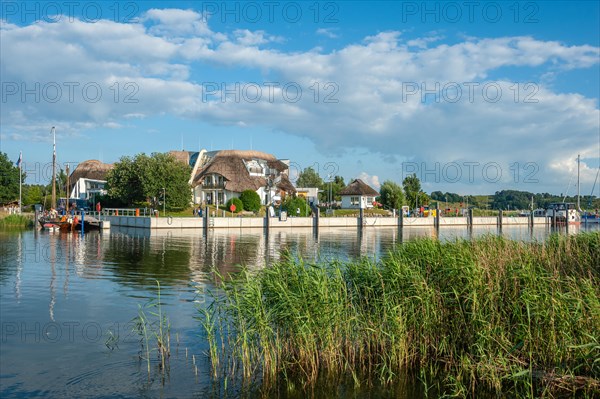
[[563, 212]]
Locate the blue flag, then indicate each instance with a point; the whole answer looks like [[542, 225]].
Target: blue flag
[[18, 163]]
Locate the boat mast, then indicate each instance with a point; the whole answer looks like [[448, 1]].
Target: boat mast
[[53, 203], [578, 188]]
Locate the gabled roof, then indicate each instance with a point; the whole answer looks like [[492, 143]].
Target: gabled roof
[[358, 187]]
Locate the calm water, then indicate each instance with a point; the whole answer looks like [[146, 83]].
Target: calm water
[[63, 295]]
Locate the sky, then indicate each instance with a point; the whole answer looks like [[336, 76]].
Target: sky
[[473, 97]]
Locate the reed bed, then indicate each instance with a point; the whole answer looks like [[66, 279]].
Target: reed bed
[[490, 315], [17, 221]]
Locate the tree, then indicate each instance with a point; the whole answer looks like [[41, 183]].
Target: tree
[[33, 194], [251, 200], [309, 178], [9, 179], [143, 178], [412, 188], [391, 195]]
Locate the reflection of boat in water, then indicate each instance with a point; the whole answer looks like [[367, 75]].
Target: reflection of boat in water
[[563, 212]]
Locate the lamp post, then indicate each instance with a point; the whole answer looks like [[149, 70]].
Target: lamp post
[[164, 201], [330, 190]]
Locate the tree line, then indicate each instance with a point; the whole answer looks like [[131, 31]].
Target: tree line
[[147, 180]]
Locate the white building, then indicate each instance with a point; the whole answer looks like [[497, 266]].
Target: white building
[[310, 193]]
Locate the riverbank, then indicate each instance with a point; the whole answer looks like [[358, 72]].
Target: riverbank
[[514, 318]]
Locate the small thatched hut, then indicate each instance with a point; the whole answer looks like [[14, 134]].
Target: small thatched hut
[[358, 194]]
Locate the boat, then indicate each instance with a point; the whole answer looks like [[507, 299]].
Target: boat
[[588, 218], [563, 212], [52, 221]]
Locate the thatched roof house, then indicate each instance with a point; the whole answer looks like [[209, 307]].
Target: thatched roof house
[[88, 178], [358, 194], [227, 173]]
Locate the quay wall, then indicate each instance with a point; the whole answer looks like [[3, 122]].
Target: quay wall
[[304, 222]]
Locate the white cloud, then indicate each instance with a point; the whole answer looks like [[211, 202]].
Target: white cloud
[[328, 32], [372, 181], [358, 96]]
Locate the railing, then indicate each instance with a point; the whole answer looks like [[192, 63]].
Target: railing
[[212, 185], [144, 212]]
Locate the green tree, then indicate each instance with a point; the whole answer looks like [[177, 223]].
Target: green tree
[[124, 183], [33, 194], [412, 189], [239, 205], [336, 186], [391, 195], [309, 178], [149, 178], [251, 200], [9, 179]]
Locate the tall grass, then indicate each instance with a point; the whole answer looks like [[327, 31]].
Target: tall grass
[[489, 314], [21, 221], [154, 329]]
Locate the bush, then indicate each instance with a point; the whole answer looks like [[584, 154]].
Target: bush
[[292, 205], [251, 200], [239, 206]]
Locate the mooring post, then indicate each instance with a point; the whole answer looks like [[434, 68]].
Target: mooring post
[[470, 217], [500, 218], [205, 220], [437, 215], [82, 220], [361, 218], [531, 220], [401, 219], [316, 218], [266, 224]]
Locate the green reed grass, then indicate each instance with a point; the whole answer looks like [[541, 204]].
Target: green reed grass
[[154, 329], [492, 314], [21, 221]]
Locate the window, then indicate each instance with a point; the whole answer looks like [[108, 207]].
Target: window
[[354, 200]]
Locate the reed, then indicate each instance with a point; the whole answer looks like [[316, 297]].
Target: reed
[[154, 329], [489, 314], [21, 221]]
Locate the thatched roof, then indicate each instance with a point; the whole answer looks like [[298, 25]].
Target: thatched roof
[[358, 187], [230, 164], [91, 169], [181, 156], [286, 185]]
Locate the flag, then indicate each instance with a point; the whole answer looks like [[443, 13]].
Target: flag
[[18, 163]]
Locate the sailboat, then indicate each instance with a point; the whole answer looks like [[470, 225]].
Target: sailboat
[[592, 217], [51, 221], [567, 212]]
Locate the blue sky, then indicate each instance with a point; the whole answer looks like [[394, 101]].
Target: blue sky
[[474, 97]]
